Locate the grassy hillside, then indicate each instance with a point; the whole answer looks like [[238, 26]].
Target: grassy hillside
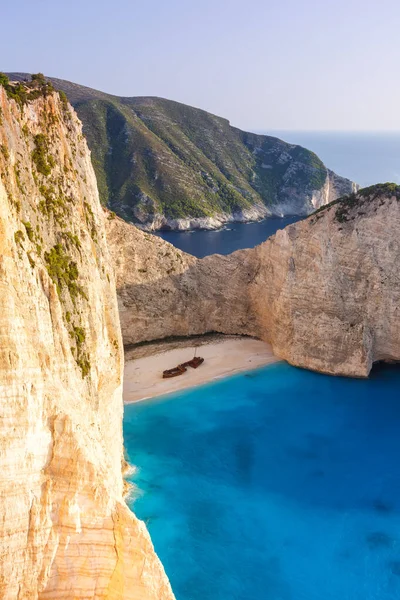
[[158, 157]]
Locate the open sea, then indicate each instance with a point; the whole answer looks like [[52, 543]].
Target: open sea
[[276, 484], [363, 157]]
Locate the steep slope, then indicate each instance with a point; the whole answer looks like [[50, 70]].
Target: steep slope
[[160, 163], [163, 291], [65, 531], [325, 292]]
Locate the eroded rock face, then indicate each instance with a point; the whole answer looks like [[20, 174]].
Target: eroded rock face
[[65, 531], [325, 292], [163, 291]]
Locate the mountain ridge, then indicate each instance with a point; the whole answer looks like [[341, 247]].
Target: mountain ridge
[[163, 164]]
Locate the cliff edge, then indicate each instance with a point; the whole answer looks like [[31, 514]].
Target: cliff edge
[[325, 292], [66, 531]]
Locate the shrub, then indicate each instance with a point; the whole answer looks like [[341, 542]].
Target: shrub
[[55, 205], [79, 334], [89, 217], [38, 79], [72, 239], [4, 81], [29, 230], [40, 156], [17, 174], [31, 261], [83, 363], [19, 237], [64, 99], [17, 91], [26, 91], [63, 271], [39, 86], [15, 203], [4, 151]]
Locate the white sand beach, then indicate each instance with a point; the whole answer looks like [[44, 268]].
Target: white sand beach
[[223, 357]]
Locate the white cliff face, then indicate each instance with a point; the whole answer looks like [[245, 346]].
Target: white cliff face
[[159, 221], [334, 188], [293, 201], [163, 291], [65, 531], [325, 292]]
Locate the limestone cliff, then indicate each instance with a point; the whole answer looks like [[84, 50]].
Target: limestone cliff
[[164, 292], [65, 531], [325, 292]]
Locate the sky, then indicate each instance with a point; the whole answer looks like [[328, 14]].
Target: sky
[[264, 65]]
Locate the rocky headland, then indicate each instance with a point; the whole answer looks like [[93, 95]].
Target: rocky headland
[[325, 292], [161, 164]]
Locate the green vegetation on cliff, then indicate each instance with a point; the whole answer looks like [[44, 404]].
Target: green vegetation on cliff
[[157, 157], [350, 206], [23, 92], [42, 184]]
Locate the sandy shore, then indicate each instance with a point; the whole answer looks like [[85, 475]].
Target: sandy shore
[[143, 376]]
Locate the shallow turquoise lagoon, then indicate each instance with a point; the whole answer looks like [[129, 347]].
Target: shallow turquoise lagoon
[[277, 484]]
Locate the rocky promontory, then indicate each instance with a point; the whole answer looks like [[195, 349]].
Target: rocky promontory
[[325, 292]]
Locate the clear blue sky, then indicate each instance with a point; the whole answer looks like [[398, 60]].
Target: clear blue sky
[[263, 64]]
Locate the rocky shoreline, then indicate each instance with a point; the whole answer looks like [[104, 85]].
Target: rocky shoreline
[[162, 223], [332, 189]]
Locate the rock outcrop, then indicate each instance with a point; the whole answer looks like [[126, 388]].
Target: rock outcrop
[[164, 292], [325, 292], [65, 530]]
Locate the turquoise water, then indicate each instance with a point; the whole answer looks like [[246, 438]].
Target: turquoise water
[[277, 484]]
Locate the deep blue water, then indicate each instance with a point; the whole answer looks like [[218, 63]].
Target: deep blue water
[[278, 484], [364, 157], [228, 239]]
